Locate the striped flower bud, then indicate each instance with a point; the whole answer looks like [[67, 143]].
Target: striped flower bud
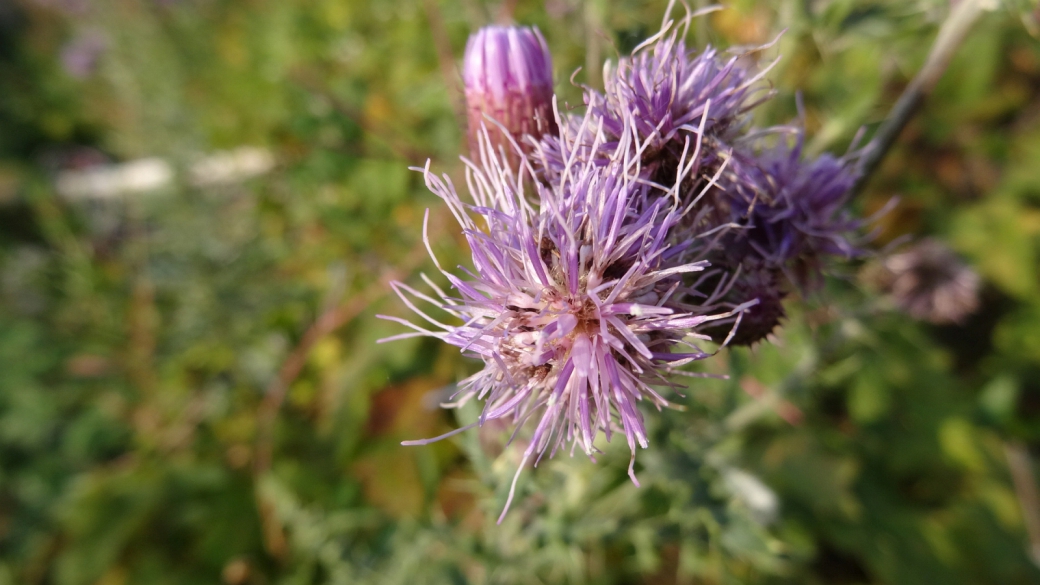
[[508, 76]]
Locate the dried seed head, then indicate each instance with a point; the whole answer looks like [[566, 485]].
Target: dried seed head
[[930, 283]]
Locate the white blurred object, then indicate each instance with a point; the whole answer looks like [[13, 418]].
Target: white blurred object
[[149, 174], [108, 181], [231, 166], [760, 500]]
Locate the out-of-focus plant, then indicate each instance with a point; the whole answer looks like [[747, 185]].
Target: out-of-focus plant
[[190, 388], [600, 255]]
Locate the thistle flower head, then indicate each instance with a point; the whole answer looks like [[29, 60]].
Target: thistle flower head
[[684, 109], [670, 93], [573, 304], [795, 211], [507, 72]]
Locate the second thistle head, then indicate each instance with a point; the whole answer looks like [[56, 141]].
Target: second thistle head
[[507, 71], [795, 209]]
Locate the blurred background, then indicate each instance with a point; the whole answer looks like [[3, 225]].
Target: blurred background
[[202, 202]]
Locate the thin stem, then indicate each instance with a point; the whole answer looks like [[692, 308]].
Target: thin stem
[[1028, 493], [951, 34]]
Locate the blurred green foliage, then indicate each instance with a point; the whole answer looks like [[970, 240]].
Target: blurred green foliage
[[190, 388]]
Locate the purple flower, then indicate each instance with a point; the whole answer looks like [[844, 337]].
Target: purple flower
[[684, 109], [795, 211], [507, 72], [674, 97], [780, 219], [573, 304]]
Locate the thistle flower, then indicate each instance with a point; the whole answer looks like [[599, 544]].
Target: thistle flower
[[930, 283], [676, 98], [794, 211], [671, 91], [684, 109], [787, 217], [572, 305], [507, 72]]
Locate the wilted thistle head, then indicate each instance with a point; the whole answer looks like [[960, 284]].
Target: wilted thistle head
[[930, 283], [573, 304], [507, 72]]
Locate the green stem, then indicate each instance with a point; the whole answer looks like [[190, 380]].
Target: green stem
[[951, 34]]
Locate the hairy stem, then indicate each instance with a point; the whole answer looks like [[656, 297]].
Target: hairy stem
[[951, 34]]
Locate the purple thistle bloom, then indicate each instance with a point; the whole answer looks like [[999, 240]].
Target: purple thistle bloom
[[573, 304], [786, 217], [507, 72], [795, 210], [672, 96], [685, 110]]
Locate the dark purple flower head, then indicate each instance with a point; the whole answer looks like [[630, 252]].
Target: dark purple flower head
[[795, 211], [573, 303], [780, 218], [507, 72]]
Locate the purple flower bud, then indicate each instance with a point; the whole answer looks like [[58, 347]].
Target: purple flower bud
[[507, 72]]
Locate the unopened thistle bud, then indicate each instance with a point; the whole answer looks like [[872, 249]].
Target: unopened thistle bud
[[507, 71]]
